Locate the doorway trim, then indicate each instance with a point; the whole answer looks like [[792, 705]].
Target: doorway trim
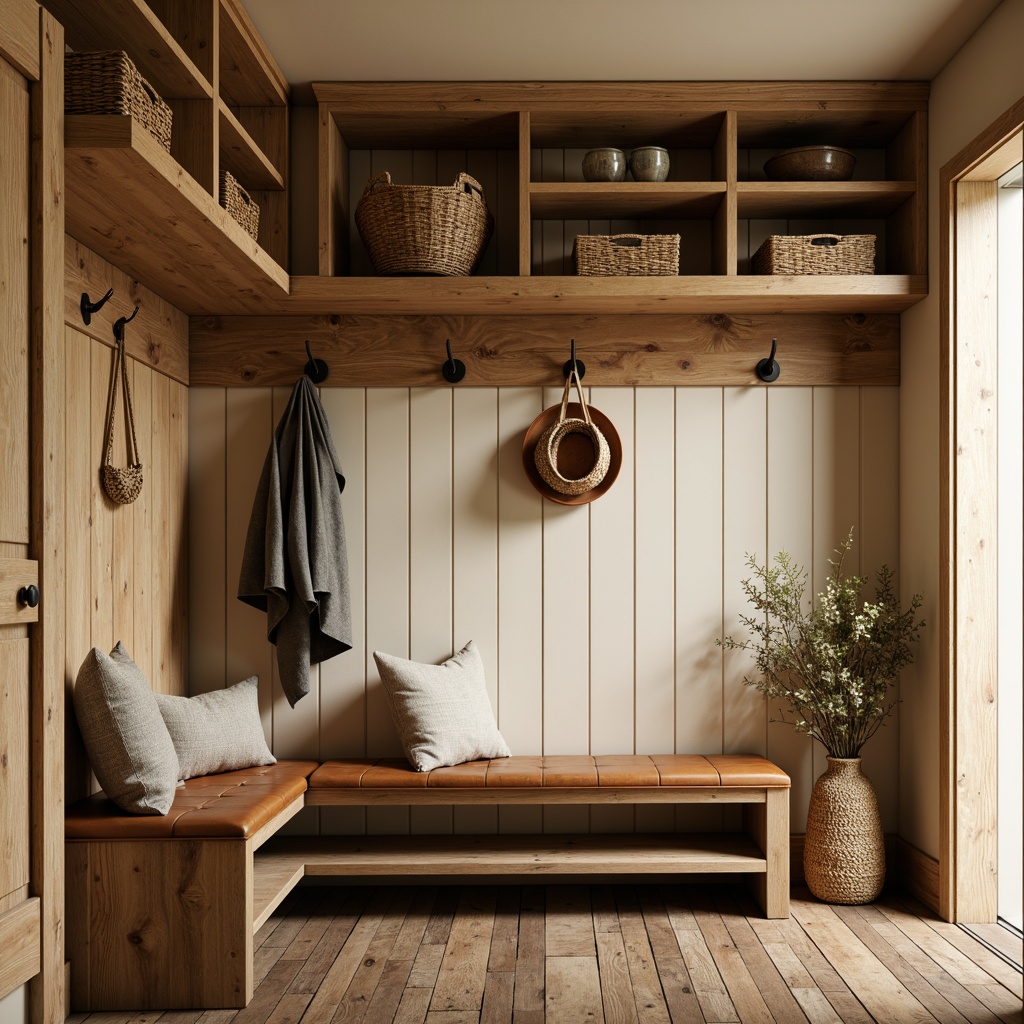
[[968, 557]]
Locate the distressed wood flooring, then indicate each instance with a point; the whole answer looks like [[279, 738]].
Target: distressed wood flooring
[[623, 954]]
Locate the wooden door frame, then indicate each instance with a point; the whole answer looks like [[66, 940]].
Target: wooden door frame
[[33, 42], [968, 556]]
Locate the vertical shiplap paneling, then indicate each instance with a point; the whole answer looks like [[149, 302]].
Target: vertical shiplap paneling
[[163, 577], [836, 490], [790, 529], [475, 550], [101, 586], [387, 571], [482, 164], [879, 545], [552, 231], [430, 550], [343, 679], [654, 456], [612, 633], [247, 437], [745, 482], [122, 551], [565, 597], [296, 729], [520, 612], [146, 598], [698, 583], [209, 593], [178, 484], [82, 476]]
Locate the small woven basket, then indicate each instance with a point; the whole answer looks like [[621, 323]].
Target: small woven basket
[[242, 207], [815, 254], [424, 229], [107, 82], [626, 255]]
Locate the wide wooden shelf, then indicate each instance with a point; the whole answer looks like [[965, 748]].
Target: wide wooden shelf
[[470, 296], [131, 25], [241, 155], [581, 200], [129, 201], [249, 76], [821, 198]]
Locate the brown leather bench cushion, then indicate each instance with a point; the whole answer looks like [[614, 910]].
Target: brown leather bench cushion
[[229, 805], [561, 771]]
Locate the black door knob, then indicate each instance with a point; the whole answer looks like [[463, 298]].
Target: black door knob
[[29, 595]]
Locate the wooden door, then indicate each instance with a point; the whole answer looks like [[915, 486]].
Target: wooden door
[[19, 912]]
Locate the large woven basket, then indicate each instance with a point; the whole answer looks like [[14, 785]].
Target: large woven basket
[[239, 203], [815, 254], [107, 82], [626, 255], [424, 229]]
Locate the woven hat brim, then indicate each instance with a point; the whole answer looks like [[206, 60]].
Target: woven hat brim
[[541, 423]]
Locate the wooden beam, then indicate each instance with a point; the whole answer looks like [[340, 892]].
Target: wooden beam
[[19, 939], [20, 41], [407, 351]]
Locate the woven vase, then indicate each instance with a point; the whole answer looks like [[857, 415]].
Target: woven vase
[[844, 852]]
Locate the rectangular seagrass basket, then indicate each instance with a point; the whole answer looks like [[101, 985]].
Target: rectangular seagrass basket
[[815, 254], [107, 82], [239, 203], [424, 229], [626, 255]]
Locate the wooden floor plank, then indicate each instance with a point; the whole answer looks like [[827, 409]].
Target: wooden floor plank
[[460, 981], [569, 922], [425, 967], [413, 1007], [528, 999], [643, 971], [387, 994], [883, 996], [505, 935], [268, 994], [290, 1008], [415, 925], [707, 982], [499, 987], [326, 951], [309, 935], [1001, 939], [616, 988], [440, 922], [573, 990]]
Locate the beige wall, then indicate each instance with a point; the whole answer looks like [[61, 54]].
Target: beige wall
[[983, 79], [597, 623]]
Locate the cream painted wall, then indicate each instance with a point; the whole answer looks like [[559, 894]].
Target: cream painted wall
[[984, 79], [596, 623]]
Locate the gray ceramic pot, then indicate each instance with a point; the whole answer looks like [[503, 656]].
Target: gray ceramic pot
[[649, 163], [604, 165]]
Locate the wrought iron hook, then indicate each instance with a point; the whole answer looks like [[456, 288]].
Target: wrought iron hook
[[453, 370], [316, 369], [580, 366], [89, 307], [121, 321], [768, 369]]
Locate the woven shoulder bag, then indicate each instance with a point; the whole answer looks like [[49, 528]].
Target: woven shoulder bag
[[545, 455], [122, 485]]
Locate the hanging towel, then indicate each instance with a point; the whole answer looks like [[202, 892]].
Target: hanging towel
[[295, 566]]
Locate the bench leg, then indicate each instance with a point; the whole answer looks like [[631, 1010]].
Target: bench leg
[[768, 824], [159, 924]]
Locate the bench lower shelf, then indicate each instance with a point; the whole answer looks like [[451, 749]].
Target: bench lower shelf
[[282, 862]]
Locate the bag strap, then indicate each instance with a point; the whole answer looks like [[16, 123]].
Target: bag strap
[[131, 442], [579, 391]]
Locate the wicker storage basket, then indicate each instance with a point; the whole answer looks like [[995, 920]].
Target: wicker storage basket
[[239, 203], [626, 255], [815, 254], [107, 82], [424, 229]]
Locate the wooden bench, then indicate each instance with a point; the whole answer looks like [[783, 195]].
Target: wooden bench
[[162, 911]]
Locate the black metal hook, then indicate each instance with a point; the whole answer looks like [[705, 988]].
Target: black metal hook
[[121, 321], [768, 369], [316, 369], [453, 370], [581, 368], [88, 307]]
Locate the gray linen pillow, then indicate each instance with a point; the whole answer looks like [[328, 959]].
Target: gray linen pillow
[[218, 731], [129, 747], [441, 712]]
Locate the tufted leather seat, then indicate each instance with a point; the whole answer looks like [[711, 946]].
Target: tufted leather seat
[[556, 771], [229, 805]]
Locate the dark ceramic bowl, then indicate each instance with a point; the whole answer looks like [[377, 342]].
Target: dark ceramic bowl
[[811, 163]]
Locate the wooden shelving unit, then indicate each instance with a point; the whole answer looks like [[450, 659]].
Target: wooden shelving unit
[[718, 134], [157, 216]]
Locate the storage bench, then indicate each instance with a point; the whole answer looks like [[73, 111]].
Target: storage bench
[[162, 911]]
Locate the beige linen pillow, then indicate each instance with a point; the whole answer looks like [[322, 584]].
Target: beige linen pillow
[[441, 712], [129, 747], [218, 731]]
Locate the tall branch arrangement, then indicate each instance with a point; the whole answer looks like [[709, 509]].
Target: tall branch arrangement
[[833, 663]]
